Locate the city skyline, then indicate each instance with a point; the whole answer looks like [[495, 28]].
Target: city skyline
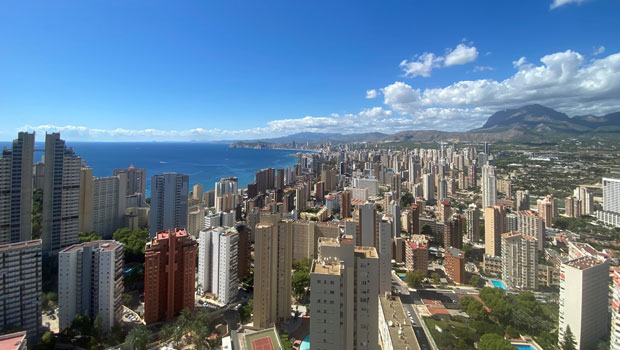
[[131, 72]]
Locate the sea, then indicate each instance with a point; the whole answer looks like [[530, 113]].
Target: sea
[[205, 163]]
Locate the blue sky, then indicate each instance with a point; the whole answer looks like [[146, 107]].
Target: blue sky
[[212, 70]]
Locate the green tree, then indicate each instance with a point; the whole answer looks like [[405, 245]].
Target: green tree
[[568, 343], [406, 200], [245, 312], [435, 276], [98, 329], [37, 212], [49, 300], [427, 230], [47, 341], [84, 237], [493, 341], [473, 308], [134, 243], [138, 338], [414, 278], [476, 281], [299, 281]]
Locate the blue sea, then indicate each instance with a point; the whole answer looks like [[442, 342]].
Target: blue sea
[[205, 163]]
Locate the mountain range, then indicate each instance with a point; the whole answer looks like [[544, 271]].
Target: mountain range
[[528, 123]]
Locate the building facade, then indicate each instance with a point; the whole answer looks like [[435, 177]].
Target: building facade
[[16, 186], [519, 261], [169, 275], [21, 287], [218, 263], [169, 194], [344, 298], [584, 301], [61, 195], [90, 281]]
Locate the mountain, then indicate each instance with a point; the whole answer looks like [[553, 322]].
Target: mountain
[[537, 120], [528, 123]]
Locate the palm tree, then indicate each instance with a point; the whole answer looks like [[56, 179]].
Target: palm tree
[[138, 338]]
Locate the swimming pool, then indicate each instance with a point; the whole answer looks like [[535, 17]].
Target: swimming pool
[[305, 344], [499, 284], [524, 346]]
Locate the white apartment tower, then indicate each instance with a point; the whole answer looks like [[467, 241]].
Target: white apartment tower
[[519, 261], [489, 186], [344, 298], [584, 301], [90, 281], [532, 225], [428, 187], [218, 250]]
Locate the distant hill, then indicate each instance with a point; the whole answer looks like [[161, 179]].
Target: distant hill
[[537, 120], [528, 123]]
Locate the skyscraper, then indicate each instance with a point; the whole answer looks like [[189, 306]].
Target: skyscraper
[[61, 195], [367, 233], [584, 301], [489, 186], [532, 225], [169, 193], [169, 275], [20, 287], [610, 214], [345, 204], [522, 200], [547, 209], [493, 228], [218, 262], [384, 249], [428, 184], [453, 232], [135, 178], [344, 298], [108, 196], [16, 168], [85, 209], [90, 282], [272, 273], [473, 223], [413, 219], [519, 261]]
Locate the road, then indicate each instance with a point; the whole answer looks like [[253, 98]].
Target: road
[[408, 299]]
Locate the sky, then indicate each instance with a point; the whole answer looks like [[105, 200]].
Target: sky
[[232, 70]]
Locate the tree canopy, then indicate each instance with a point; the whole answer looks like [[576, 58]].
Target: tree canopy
[[133, 241], [414, 278], [493, 341]]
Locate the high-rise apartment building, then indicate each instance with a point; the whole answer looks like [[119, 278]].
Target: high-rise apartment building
[[413, 219], [345, 204], [522, 202], [519, 261], [473, 223], [547, 209], [532, 225], [584, 301], [610, 214], [587, 199], [20, 287], [428, 187], [244, 253], [272, 273], [16, 181], [85, 208], [135, 180], [489, 186], [416, 256], [90, 282], [454, 264], [108, 204], [615, 312], [169, 275], [453, 232], [61, 195], [367, 233], [493, 228], [344, 298], [169, 193], [384, 249], [218, 262]]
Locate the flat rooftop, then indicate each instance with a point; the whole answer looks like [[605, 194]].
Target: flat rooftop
[[369, 252], [326, 268], [107, 245], [393, 311], [584, 263], [20, 245], [267, 339], [12, 341]]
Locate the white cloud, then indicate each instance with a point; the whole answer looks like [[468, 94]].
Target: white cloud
[[599, 51], [557, 3], [423, 64], [563, 80], [483, 68], [372, 93], [462, 54]]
